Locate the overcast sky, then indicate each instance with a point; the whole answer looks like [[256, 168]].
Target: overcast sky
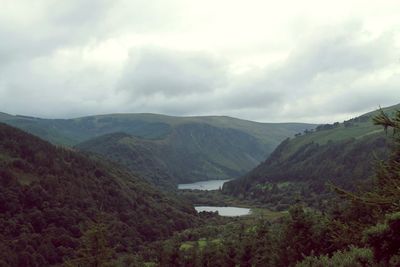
[[272, 61]]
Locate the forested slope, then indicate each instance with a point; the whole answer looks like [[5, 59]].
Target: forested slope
[[345, 154], [192, 152], [141, 156], [50, 197]]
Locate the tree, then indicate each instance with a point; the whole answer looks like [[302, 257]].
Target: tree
[[383, 199], [384, 239], [385, 194], [94, 250]]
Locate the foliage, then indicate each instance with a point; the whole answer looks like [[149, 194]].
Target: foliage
[[94, 250], [50, 196], [341, 155], [384, 240], [354, 257]]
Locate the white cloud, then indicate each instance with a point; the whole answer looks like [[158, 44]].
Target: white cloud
[[306, 60], [171, 73]]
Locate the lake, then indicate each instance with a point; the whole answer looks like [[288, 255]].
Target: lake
[[225, 211], [204, 185]]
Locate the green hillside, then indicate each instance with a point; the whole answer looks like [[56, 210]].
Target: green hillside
[[181, 149], [144, 125], [144, 157], [53, 199], [344, 154], [191, 152]]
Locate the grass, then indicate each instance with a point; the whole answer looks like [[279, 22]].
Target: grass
[[340, 133], [357, 130]]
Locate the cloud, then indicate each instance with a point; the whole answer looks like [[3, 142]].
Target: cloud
[[73, 58], [172, 73], [330, 75]]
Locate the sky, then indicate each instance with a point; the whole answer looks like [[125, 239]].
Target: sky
[[268, 61]]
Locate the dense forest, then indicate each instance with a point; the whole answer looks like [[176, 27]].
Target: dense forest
[[53, 201], [139, 156], [307, 173]]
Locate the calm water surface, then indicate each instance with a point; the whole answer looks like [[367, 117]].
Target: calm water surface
[[215, 185], [225, 211], [204, 185]]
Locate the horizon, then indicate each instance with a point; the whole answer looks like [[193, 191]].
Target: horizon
[[191, 116]]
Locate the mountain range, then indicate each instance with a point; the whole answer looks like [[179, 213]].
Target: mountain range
[[165, 149]]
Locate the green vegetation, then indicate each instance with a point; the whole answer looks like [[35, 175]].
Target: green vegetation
[[344, 154], [167, 150], [192, 152], [361, 230], [54, 201], [147, 126], [62, 207], [143, 157]]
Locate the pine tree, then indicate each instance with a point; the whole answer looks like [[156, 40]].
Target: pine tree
[[383, 200], [385, 194]]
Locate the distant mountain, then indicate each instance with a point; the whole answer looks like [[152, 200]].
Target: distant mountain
[[180, 149], [51, 196], [344, 154]]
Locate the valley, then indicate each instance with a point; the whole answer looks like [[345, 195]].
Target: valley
[[166, 150], [180, 133], [123, 189]]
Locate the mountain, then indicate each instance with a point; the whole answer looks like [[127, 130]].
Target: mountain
[[181, 149], [52, 197], [344, 154]]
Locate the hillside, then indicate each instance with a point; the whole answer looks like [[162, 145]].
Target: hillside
[[51, 197], [144, 125], [182, 148], [141, 156], [192, 152], [344, 154]]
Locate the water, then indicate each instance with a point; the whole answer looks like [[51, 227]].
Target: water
[[225, 211], [204, 185]]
